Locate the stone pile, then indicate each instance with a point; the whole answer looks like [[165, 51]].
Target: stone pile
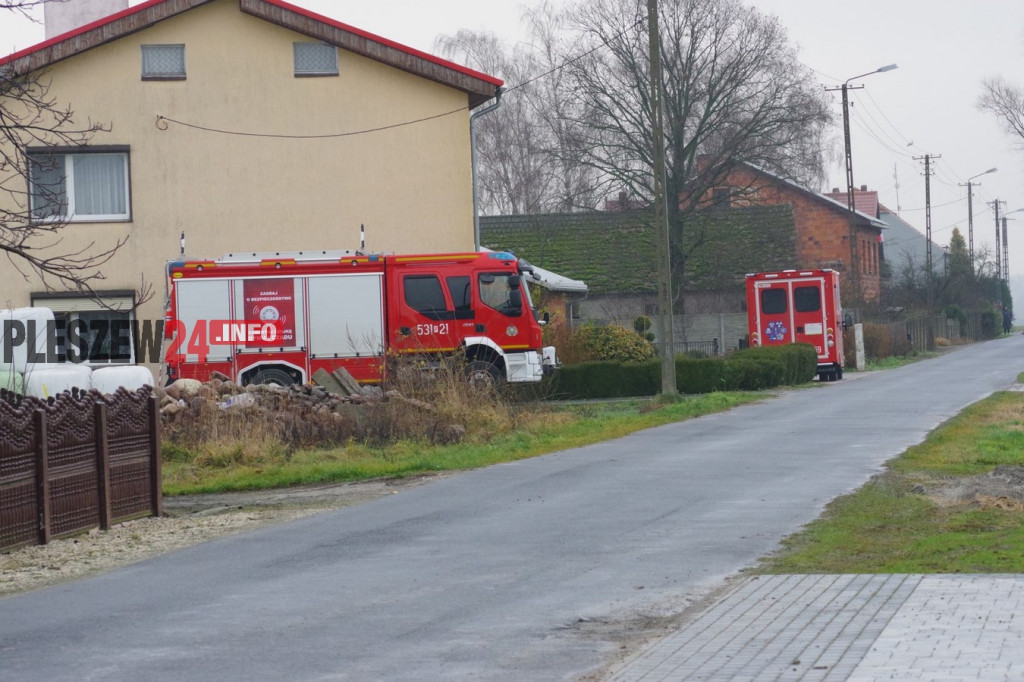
[[220, 393]]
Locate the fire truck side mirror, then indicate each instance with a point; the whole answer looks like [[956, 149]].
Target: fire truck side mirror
[[847, 321], [515, 301]]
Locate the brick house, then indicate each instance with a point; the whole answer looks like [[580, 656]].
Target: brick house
[[822, 225]]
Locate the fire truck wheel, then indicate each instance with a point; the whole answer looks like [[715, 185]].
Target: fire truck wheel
[[278, 377], [483, 374]]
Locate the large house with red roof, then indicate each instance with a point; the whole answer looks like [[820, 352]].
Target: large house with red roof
[[246, 125]]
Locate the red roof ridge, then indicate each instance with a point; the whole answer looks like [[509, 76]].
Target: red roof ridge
[[411, 51], [49, 42]]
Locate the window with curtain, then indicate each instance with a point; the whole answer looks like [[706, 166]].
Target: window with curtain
[[79, 186]]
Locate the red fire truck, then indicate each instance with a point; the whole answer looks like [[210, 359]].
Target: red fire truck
[[280, 317], [798, 306]]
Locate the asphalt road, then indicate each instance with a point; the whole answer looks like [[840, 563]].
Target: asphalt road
[[494, 574]]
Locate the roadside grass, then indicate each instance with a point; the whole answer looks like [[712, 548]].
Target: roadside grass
[[535, 429], [891, 525]]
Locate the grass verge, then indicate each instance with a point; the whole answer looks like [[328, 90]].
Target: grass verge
[[535, 430], [902, 522]]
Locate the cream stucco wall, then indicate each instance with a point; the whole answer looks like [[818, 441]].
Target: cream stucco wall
[[410, 185]]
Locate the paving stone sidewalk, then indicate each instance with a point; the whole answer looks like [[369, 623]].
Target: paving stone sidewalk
[[860, 628]]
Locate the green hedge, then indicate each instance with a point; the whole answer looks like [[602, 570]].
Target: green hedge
[[746, 370]]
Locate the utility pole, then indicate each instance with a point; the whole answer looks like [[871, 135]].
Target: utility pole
[[999, 260], [661, 232], [970, 224], [970, 211], [928, 216], [1006, 252], [852, 232]]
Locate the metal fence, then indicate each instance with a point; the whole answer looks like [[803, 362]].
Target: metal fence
[[707, 348], [76, 462]]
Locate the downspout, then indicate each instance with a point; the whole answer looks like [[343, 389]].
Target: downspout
[[472, 145]]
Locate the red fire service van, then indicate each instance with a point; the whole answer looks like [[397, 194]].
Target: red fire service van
[[280, 317], [798, 306]]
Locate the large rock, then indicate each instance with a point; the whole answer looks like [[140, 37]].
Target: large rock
[[184, 389]]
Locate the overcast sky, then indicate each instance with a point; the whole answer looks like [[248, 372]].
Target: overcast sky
[[943, 48]]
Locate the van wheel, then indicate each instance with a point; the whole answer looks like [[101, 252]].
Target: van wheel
[[276, 377], [483, 374]]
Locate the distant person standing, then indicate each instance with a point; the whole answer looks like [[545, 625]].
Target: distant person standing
[[1007, 320]]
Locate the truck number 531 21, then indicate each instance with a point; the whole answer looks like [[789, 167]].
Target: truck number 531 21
[[431, 329]]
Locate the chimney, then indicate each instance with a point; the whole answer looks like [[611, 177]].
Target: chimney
[[863, 188], [835, 190], [67, 15]]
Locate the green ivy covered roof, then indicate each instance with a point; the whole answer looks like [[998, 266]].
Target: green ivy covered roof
[[614, 252]]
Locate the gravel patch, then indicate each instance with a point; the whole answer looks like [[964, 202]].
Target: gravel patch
[[188, 520]]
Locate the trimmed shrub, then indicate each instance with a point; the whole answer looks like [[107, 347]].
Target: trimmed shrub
[[799, 360], [750, 370], [606, 379], [754, 374], [700, 375]]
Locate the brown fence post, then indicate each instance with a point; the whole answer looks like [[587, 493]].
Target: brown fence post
[[102, 463], [155, 465], [42, 476]]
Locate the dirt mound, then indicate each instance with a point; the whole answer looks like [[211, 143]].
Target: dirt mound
[[1001, 488]]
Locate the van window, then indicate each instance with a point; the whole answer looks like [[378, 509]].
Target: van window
[[807, 299], [773, 301]]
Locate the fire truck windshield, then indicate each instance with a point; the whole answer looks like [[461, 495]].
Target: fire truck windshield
[[496, 291]]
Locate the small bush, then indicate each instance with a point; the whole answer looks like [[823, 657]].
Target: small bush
[[991, 323], [876, 341], [613, 343], [955, 312]]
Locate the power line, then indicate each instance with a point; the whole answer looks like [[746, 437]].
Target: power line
[[162, 121]]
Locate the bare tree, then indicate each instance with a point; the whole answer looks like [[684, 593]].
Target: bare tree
[[529, 147], [33, 198], [1006, 102], [733, 92], [579, 129]]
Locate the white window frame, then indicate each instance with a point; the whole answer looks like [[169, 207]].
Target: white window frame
[[301, 73], [70, 212], [163, 75], [70, 309]]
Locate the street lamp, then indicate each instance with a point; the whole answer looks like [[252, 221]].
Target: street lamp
[[970, 214], [845, 87], [846, 128]]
